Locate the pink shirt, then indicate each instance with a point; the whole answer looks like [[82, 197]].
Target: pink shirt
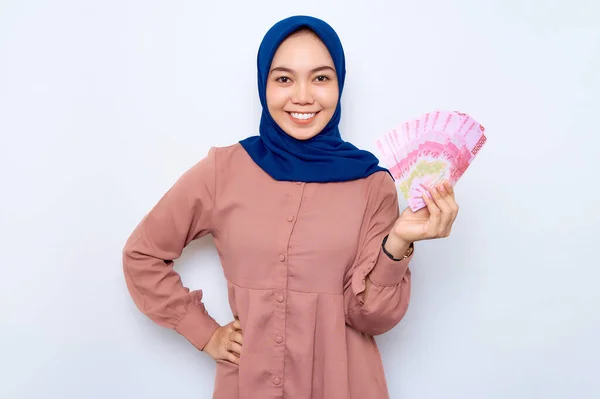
[[295, 256]]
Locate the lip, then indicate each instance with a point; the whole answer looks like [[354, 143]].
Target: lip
[[302, 122]]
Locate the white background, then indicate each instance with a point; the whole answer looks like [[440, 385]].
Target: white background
[[103, 105]]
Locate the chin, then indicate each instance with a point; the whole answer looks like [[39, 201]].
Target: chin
[[302, 134]]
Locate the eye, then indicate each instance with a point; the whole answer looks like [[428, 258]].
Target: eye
[[322, 78], [283, 79]]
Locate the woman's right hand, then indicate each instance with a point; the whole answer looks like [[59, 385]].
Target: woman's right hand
[[226, 343]]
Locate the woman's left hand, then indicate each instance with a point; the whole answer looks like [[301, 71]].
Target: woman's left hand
[[433, 221]]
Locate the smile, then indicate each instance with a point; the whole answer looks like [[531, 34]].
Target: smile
[[302, 117]]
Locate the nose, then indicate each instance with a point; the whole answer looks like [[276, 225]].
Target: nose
[[302, 94]]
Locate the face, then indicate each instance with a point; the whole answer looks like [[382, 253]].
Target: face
[[302, 87]]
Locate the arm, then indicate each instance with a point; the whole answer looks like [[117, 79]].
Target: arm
[[377, 287], [183, 214]]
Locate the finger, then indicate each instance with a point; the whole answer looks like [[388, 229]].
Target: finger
[[235, 348], [447, 213], [451, 199], [237, 325], [439, 196], [453, 207], [449, 188], [232, 358], [434, 216], [237, 337]]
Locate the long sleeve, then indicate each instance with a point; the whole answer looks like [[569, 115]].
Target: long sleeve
[[389, 292], [183, 214]]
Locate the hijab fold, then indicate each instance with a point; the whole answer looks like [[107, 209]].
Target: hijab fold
[[322, 158]]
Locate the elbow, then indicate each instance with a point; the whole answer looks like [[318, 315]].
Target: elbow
[[373, 327], [132, 288], [377, 322], [127, 257]]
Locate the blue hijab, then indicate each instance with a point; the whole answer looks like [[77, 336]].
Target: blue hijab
[[322, 158]]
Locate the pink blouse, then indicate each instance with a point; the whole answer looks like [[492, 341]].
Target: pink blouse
[[295, 256]]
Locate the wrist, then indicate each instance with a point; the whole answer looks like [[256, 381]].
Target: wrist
[[395, 246]]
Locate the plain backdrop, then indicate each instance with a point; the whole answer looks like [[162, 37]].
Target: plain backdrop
[[103, 105]]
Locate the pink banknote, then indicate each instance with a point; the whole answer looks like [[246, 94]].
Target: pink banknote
[[428, 150]]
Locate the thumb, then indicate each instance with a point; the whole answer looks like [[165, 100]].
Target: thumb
[[237, 325]]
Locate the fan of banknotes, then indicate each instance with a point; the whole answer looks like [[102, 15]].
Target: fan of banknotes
[[423, 152]]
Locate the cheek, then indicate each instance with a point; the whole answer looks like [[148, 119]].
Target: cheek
[[328, 97], [276, 98]]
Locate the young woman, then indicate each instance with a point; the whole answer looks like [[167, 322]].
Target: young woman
[[308, 231]]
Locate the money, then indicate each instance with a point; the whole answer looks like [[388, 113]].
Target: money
[[423, 152]]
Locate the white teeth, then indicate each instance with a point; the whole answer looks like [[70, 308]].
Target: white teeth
[[302, 116]]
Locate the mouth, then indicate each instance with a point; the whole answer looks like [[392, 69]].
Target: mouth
[[302, 118]]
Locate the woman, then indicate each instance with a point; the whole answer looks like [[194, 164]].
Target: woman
[[308, 231]]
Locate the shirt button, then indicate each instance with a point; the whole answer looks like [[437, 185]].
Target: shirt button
[[280, 298], [279, 339], [281, 258], [290, 218], [276, 380], [298, 182]]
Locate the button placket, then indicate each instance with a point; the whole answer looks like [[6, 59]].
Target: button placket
[[281, 274]]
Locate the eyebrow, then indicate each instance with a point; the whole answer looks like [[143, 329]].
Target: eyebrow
[[288, 70]]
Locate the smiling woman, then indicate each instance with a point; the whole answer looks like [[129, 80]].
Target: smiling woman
[[302, 88], [329, 269]]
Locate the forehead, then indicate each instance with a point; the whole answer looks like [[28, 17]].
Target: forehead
[[303, 48]]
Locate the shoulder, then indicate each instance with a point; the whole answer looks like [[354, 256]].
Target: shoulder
[[232, 164], [220, 158], [216, 158], [382, 192], [230, 156], [372, 190], [379, 184]]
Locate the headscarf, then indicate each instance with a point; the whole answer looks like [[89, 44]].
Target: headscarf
[[324, 157]]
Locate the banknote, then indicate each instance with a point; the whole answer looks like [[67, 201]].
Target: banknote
[[425, 151]]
